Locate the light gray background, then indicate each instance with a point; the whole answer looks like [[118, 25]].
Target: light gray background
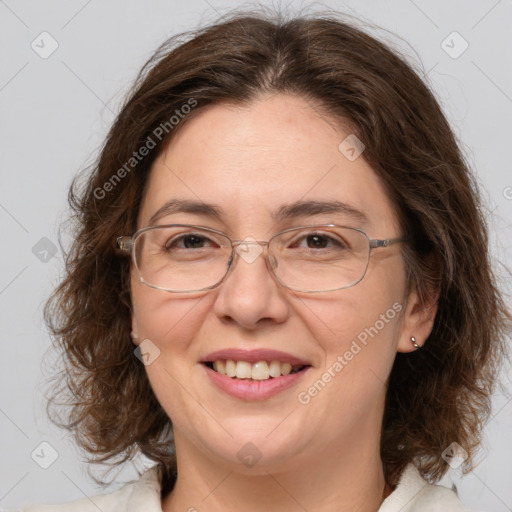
[[55, 113]]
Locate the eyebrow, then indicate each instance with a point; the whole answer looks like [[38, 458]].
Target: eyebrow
[[285, 212]]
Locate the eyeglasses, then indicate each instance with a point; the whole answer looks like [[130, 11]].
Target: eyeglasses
[[183, 258]]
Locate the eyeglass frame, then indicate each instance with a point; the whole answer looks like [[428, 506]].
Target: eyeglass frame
[[126, 244]]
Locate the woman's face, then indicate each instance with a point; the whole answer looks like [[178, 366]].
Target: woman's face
[[249, 162]]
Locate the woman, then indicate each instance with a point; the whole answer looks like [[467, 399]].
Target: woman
[[283, 225]]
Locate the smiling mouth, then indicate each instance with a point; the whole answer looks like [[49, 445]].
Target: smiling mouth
[[262, 370]]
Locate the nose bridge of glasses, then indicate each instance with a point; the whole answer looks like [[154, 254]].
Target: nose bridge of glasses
[[236, 243], [248, 254]]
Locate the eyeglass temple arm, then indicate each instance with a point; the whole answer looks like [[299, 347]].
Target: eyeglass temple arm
[[387, 242]]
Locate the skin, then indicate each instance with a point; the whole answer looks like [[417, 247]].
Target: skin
[[321, 456]]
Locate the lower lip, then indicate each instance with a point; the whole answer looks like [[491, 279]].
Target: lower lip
[[252, 390]]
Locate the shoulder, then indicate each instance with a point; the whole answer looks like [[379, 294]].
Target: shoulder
[[142, 495], [414, 494]]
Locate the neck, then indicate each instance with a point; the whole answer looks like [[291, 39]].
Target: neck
[[346, 476]]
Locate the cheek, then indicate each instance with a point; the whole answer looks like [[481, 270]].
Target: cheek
[[171, 323], [337, 322], [162, 316], [358, 328], [359, 348]]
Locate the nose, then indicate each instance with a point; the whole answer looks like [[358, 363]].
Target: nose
[[250, 296]]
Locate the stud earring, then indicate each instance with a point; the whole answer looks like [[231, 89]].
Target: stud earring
[[413, 341]]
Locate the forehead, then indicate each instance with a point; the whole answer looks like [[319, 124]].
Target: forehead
[[252, 160]]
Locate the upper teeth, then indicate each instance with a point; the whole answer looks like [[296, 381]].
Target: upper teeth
[[262, 370]]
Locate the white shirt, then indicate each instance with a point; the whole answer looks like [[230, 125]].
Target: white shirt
[[412, 494]]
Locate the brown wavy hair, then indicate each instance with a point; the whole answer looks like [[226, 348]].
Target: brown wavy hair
[[437, 395]]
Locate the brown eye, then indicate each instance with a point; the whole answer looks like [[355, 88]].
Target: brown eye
[[192, 241], [318, 241]]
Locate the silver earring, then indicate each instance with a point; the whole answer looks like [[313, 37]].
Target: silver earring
[[413, 341]]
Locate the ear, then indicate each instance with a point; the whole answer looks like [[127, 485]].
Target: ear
[[135, 331], [418, 320]]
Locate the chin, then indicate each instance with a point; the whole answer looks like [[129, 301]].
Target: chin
[[257, 448]]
